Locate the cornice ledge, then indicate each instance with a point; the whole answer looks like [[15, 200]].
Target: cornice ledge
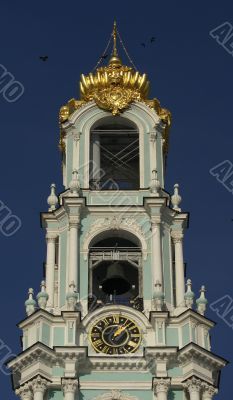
[[189, 313], [71, 353], [115, 363], [40, 314], [200, 355], [38, 351], [161, 353]]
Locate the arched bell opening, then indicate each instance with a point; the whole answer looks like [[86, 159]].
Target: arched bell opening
[[114, 155], [115, 270]]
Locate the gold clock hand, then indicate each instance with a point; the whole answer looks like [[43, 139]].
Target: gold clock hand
[[118, 331]]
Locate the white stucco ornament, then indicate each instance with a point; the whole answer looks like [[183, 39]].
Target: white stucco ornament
[[115, 395], [128, 224]]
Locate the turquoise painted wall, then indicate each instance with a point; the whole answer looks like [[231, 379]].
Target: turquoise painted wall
[[55, 395], [119, 376], [58, 336], [172, 338], [175, 371], [176, 395], [58, 371], [185, 334], [45, 334]]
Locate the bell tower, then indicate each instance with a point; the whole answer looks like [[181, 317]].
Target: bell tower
[[115, 318]]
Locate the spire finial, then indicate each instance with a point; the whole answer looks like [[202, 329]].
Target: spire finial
[[115, 60], [114, 35]]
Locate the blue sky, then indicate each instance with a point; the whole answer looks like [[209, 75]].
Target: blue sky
[[190, 73]]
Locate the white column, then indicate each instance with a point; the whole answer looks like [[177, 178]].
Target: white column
[[179, 268], [208, 392], [73, 251], [193, 386], [161, 387], [76, 141], [39, 386], [96, 158], [24, 392], [50, 266], [157, 271], [69, 387]]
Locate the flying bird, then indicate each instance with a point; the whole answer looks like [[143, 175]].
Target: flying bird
[[152, 39], [43, 58]]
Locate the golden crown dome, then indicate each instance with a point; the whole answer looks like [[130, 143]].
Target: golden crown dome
[[113, 88]]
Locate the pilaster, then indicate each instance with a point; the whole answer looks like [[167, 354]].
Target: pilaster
[[177, 238]]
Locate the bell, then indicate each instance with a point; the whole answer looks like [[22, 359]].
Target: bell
[[115, 282]]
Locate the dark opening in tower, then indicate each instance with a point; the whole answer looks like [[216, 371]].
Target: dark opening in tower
[[115, 272], [114, 155]]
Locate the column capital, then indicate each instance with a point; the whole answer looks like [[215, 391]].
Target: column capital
[[74, 221], [161, 385], [208, 391], [39, 384], [177, 237], [51, 236], [69, 385], [24, 392], [193, 385], [155, 220]]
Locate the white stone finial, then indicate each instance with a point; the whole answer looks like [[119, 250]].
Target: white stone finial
[[155, 184], [52, 199], [30, 303], [176, 198], [202, 301], [189, 295], [71, 297], [42, 296], [158, 296], [74, 183]]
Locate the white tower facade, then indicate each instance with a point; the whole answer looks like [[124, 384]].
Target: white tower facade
[[115, 318]]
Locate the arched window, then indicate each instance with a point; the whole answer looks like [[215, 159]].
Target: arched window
[[115, 270], [114, 155]]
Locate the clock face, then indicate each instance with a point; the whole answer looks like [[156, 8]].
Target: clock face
[[115, 334]]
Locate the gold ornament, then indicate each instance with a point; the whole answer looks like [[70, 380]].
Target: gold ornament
[[113, 88]]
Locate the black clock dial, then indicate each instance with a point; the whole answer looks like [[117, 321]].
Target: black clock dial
[[115, 334]]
